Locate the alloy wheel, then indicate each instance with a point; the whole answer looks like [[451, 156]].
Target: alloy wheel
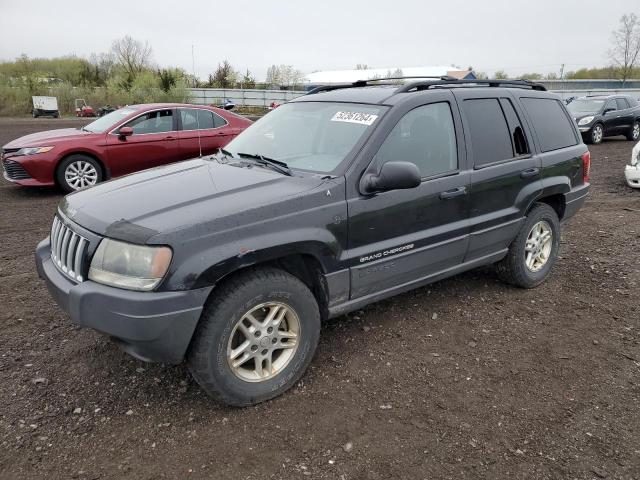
[[538, 246], [635, 134], [263, 342], [80, 174], [597, 134]]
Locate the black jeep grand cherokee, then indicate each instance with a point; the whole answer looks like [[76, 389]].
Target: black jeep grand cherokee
[[337, 199]]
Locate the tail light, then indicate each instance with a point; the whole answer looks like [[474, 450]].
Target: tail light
[[586, 166]]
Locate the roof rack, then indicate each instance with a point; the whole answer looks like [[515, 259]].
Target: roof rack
[[519, 83], [366, 83], [429, 82]]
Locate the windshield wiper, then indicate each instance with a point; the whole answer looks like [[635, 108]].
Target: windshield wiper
[[277, 165], [226, 152]]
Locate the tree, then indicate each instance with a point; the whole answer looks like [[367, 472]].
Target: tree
[[224, 76], [626, 45], [248, 80], [362, 66], [283, 76], [500, 75], [531, 76], [273, 76], [132, 55]]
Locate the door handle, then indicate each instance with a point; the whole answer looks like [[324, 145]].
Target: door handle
[[169, 138], [530, 172], [454, 192]]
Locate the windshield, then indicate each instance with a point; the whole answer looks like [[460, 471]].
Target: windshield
[[582, 105], [314, 136], [103, 124]]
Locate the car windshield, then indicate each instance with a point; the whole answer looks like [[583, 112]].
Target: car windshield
[[315, 136], [583, 105], [103, 124]]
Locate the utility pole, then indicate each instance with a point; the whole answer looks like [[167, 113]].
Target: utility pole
[[193, 66], [562, 78]]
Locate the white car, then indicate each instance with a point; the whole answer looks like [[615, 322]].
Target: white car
[[632, 171]]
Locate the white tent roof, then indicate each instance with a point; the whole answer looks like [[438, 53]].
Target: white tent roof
[[349, 76]]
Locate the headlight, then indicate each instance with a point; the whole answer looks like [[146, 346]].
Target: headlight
[[586, 120], [33, 150], [125, 265]]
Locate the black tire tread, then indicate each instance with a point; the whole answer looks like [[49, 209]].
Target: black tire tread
[[223, 296], [630, 133], [511, 269]]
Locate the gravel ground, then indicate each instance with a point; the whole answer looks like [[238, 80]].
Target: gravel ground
[[466, 378]]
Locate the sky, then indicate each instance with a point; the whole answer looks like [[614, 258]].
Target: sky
[[512, 35]]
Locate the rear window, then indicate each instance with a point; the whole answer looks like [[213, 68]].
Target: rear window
[[551, 123], [622, 103]]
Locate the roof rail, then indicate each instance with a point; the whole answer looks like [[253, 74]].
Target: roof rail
[[519, 83], [365, 83]]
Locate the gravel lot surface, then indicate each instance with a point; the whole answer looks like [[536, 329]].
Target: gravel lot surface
[[466, 378]]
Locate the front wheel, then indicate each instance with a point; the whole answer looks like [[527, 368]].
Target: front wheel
[[535, 249], [256, 337], [596, 134], [78, 171], [634, 133]]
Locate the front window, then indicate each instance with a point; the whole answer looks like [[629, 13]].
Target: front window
[[103, 124], [159, 121], [315, 136], [582, 106]]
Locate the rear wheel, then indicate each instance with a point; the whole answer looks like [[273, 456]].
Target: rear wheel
[[78, 171], [596, 134], [256, 337], [634, 133], [535, 249]]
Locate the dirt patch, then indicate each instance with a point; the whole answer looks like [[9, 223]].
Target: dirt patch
[[466, 378]]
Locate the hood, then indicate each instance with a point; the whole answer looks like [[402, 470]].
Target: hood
[[49, 136], [180, 196]]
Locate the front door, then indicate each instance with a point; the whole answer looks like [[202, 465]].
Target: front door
[[154, 142], [400, 237]]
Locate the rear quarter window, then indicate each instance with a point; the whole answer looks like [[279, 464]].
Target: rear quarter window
[[551, 123]]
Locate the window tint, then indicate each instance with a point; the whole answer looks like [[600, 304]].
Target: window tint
[[198, 119], [425, 136], [611, 105], [490, 138], [622, 103], [554, 129], [152, 122]]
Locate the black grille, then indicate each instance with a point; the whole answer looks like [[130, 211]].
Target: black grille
[[14, 171]]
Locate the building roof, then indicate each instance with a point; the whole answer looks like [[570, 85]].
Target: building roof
[[349, 76]]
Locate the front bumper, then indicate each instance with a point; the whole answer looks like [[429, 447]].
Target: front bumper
[[151, 326], [632, 174], [40, 169]]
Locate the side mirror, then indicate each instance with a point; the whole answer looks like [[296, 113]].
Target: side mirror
[[393, 176], [607, 110], [125, 132]]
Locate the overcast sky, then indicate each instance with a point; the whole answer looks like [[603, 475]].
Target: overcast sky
[[514, 35]]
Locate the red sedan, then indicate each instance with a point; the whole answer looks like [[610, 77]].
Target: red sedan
[[130, 139]]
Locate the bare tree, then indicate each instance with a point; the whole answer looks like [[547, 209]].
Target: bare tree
[[500, 75], [132, 55], [626, 45], [362, 66]]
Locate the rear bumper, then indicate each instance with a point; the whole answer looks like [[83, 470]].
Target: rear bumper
[[152, 326], [632, 174], [574, 200]]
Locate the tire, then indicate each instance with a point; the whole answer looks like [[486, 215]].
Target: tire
[[34, 114], [219, 335], [634, 133], [90, 168], [596, 134], [514, 268]]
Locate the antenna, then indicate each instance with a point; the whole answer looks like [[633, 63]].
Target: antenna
[[198, 126]]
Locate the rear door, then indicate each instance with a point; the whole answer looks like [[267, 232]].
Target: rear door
[[505, 172], [610, 118], [625, 115], [154, 142], [202, 131], [400, 237]]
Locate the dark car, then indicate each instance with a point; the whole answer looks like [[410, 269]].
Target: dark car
[[337, 199], [605, 116], [127, 140]]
